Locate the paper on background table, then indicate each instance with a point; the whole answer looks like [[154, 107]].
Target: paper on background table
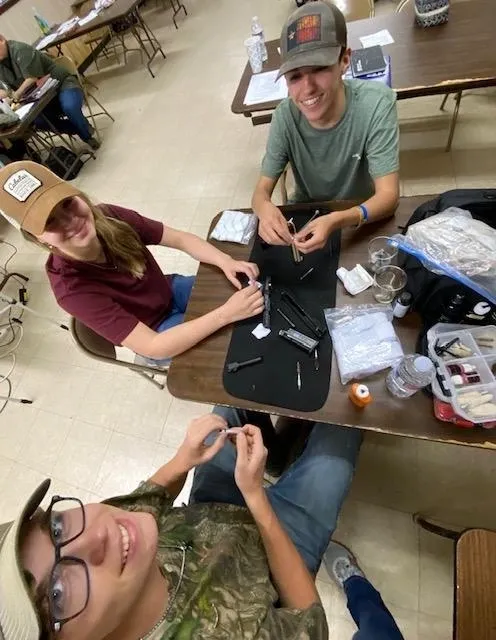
[[264, 88], [380, 38], [46, 40], [23, 110], [88, 18]]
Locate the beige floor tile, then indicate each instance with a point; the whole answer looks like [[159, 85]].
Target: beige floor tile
[[16, 420], [475, 168], [426, 171], [342, 628], [436, 575], [18, 485], [127, 462], [45, 441], [434, 628], [388, 552], [82, 453], [180, 415]]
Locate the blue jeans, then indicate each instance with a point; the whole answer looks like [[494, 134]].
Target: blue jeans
[[306, 498], [181, 291], [369, 612], [65, 112]]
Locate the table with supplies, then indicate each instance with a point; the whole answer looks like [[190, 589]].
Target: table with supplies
[[119, 10], [280, 387], [448, 58]]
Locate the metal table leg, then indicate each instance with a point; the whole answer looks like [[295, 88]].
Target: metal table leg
[[143, 34], [453, 120], [177, 6]]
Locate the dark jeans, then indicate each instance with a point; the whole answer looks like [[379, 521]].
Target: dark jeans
[[306, 498], [369, 612], [65, 113]]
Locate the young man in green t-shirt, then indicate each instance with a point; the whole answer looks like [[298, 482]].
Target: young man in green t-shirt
[[340, 137]]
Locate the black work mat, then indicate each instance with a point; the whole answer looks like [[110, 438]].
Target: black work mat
[[274, 380]]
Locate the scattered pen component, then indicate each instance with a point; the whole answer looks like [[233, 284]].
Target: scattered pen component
[[299, 340], [483, 410], [307, 273], [233, 431], [316, 363], [298, 375], [267, 289], [288, 320], [306, 317], [359, 394], [297, 257], [473, 399], [232, 367], [486, 340], [459, 350]]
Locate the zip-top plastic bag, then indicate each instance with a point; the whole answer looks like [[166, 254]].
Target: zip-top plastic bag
[[455, 244]]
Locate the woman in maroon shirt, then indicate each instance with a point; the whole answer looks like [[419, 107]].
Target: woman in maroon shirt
[[103, 274]]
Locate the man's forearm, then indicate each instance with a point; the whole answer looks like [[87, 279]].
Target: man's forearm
[[261, 196], [172, 476], [379, 206], [295, 584], [27, 83]]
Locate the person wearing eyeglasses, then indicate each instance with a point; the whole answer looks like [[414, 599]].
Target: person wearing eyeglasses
[[239, 562]]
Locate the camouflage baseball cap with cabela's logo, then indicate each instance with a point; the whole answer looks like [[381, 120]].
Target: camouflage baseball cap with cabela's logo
[[313, 36]]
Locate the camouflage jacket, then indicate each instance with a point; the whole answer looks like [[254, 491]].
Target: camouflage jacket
[[224, 591]]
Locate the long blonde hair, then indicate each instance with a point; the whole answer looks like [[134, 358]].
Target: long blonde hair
[[122, 244]]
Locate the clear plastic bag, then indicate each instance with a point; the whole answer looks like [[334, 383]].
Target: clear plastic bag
[[364, 339], [454, 244]]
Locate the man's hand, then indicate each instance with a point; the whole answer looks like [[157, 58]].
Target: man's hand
[[250, 462], [314, 235], [272, 226], [232, 267], [193, 451], [243, 304]]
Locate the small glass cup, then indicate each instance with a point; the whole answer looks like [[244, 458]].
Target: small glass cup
[[381, 253], [388, 283]]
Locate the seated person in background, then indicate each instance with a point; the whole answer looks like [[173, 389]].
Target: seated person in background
[[340, 137], [102, 273], [238, 563], [21, 65]]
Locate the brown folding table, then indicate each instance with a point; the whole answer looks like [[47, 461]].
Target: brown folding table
[[197, 374]]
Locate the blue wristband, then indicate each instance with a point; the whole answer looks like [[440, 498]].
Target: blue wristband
[[365, 213]]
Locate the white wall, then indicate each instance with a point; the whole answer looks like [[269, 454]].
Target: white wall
[[18, 23]]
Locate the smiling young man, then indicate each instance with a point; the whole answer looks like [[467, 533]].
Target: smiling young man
[[340, 137]]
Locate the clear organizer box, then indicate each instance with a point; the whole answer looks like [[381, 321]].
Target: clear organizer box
[[465, 371]]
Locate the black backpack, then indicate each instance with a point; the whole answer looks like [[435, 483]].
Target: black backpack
[[68, 159], [432, 293]]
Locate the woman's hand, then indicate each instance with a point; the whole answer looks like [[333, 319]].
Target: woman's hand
[[231, 267], [243, 304], [250, 462], [193, 451]]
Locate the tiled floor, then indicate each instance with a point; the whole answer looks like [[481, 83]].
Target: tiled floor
[[177, 153]]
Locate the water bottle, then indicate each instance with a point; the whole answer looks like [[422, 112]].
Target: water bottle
[[41, 22], [413, 373], [258, 32]]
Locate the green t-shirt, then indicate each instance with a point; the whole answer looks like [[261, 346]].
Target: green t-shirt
[[337, 163], [225, 591], [24, 61]]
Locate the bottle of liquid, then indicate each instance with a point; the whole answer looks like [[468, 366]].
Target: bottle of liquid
[[453, 311], [258, 32], [402, 304], [413, 373], [41, 22]]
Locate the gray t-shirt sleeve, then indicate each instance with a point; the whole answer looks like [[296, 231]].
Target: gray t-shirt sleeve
[[382, 145], [276, 153]]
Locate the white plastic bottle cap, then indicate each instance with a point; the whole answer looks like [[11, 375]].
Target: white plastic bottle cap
[[423, 364]]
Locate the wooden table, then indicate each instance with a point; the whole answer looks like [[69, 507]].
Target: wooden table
[[197, 374], [142, 33], [458, 55], [475, 597]]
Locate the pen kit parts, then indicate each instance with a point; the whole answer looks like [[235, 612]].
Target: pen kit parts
[[359, 394], [307, 273], [267, 289], [486, 341], [288, 320], [232, 367], [306, 317], [298, 375], [316, 363], [297, 257], [300, 340], [454, 348]]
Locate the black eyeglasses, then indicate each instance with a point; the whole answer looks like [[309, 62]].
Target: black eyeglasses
[[69, 581]]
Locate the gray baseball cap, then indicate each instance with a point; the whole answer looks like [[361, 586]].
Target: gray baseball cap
[[313, 36]]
